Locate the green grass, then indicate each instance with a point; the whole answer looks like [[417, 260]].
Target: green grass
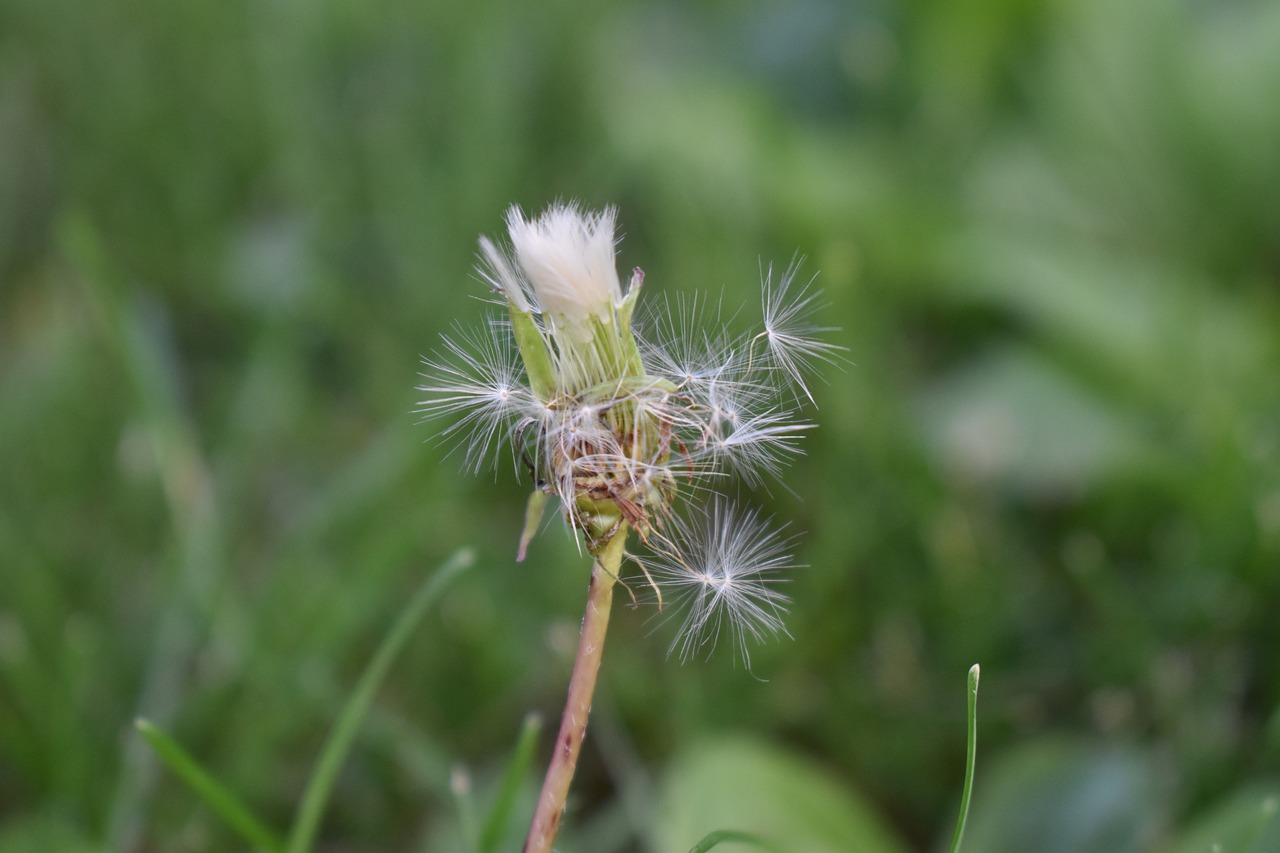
[[1048, 230]]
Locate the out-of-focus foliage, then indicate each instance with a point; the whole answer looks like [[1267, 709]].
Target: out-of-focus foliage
[[1050, 232], [740, 783]]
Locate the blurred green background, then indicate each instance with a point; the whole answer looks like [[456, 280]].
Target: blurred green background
[[1049, 231]]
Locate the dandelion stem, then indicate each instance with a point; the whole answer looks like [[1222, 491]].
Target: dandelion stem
[[582, 686]]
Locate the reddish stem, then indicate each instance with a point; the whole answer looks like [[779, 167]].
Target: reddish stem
[[582, 686]]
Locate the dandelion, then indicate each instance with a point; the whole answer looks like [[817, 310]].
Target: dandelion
[[628, 422]]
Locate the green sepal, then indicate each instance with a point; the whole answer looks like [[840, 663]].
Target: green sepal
[[626, 386], [628, 306], [533, 352], [624, 313], [532, 520], [614, 352]]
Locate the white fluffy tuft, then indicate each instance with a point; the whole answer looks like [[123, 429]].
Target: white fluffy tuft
[[568, 258]]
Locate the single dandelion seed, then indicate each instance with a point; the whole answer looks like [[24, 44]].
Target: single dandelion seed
[[478, 382], [758, 444], [724, 574], [794, 343]]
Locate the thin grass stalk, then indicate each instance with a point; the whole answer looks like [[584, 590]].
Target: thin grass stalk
[[971, 753]]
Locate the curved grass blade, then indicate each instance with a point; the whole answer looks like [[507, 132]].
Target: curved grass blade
[[972, 751], [307, 820], [521, 759], [733, 835], [216, 796]]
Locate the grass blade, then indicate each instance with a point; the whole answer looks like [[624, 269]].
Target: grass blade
[[319, 787], [972, 751], [464, 800], [223, 803], [504, 802], [732, 835]]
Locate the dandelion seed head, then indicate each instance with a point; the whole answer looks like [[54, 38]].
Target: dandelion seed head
[[637, 424]]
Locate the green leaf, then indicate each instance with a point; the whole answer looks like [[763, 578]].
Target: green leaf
[[1015, 419], [763, 791], [731, 835], [216, 796], [504, 802], [307, 820]]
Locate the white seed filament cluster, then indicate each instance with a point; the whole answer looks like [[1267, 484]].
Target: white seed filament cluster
[[633, 420]]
